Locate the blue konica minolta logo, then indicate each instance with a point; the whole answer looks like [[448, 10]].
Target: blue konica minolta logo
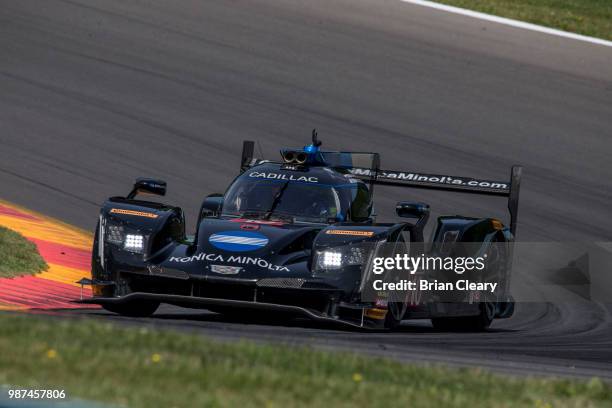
[[238, 241]]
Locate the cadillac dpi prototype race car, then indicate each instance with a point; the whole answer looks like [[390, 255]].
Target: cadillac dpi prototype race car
[[286, 240]]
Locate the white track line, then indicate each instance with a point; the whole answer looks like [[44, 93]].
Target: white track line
[[510, 22]]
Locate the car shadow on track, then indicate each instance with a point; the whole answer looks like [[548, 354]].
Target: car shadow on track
[[414, 326], [191, 318]]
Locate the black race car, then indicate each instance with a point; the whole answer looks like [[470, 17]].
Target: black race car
[[289, 238]]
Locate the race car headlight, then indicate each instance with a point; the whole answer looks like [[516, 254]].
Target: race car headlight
[[336, 258], [114, 234], [134, 242], [124, 238], [330, 259], [355, 256]]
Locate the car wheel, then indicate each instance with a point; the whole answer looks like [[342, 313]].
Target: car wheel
[[139, 308], [396, 308]]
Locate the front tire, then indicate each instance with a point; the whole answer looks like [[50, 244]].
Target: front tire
[[140, 308]]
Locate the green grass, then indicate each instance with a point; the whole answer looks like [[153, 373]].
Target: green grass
[[587, 17], [18, 256], [144, 368]]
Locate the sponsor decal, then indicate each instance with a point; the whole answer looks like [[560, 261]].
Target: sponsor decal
[[225, 269], [238, 241], [290, 167], [431, 178], [263, 222], [231, 259], [281, 176], [380, 302], [377, 314], [202, 256], [350, 232], [249, 226], [132, 212]]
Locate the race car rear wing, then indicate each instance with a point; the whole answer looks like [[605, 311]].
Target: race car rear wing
[[376, 176], [456, 184]]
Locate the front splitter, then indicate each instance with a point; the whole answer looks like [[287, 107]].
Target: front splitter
[[202, 302]]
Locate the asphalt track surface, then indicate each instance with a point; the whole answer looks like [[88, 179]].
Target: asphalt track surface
[[96, 93]]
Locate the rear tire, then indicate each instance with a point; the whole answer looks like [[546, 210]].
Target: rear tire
[[477, 323], [488, 309], [140, 308]]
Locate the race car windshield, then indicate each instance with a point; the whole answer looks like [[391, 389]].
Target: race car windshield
[[294, 201]]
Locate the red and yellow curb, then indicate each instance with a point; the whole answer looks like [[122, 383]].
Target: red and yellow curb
[[67, 251]]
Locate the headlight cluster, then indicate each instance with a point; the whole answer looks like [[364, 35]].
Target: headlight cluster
[[336, 258], [126, 239], [134, 242], [114, 234]]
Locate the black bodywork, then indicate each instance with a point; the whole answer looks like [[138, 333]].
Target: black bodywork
[[259, 258]]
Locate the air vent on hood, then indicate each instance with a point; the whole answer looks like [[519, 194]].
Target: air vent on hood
[[281, 283]]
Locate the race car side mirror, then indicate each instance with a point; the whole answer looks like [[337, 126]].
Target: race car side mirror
[[211, 206], [414, 210], [410, 209], [148, 186]]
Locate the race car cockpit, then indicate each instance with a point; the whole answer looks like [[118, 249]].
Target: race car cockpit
[[304, 194]]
